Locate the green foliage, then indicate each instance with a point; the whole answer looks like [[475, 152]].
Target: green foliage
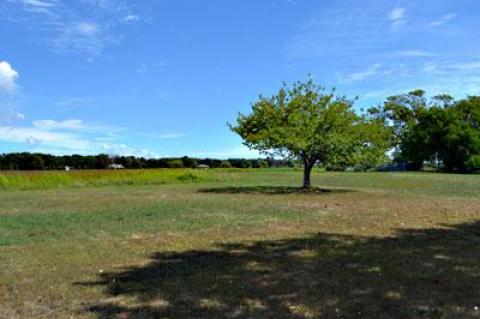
[[175, 164], [225, 164], [442, 130], [188, 162], [38, 161], [189, 177], [307, 123], [102, 161]]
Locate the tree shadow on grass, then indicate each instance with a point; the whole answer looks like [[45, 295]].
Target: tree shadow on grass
[[419, 273], [272, 190]]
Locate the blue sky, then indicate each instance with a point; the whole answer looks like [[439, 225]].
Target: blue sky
[[162, 78]]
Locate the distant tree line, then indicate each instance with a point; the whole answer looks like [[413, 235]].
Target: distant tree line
[[38, 161]]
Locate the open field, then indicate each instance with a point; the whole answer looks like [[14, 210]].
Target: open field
[[239, 244]]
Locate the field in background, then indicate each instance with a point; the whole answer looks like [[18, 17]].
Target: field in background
[[23, 180], [238, 243]]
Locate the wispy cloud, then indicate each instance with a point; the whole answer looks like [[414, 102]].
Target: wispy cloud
[[170, 136], [87, 27], [341, 30], [39, 6], [413, 54], [83, 37], [362, 75], [396, 17], [72, 102], [131, 18], [70, 125], [452, 68], [8, 78], [147, 67], [443, 19], [40, 3], [164, 136]]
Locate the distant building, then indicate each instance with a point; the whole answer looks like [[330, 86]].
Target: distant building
[[116, 166], [203, 166]]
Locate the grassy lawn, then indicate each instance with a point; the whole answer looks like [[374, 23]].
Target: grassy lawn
[[239, 244]]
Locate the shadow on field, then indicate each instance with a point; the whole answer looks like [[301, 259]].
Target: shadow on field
[[423, 273], [272, 190]]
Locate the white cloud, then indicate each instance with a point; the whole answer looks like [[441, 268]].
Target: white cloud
[[467, 66], [74, 102], [166, 136], [39, 6], [82, 37], [40, 3], [125, 150], [9, 116], [431, 67], [131, 18], [170, 136], [442, 68], [236, 152], [8, 77], [359, 76], [75, 125], [442, 20], [147, 67], [55, 125], [67, 137], [397, 16], [33, 136], [117, 149], [414, 53], [88, 29]]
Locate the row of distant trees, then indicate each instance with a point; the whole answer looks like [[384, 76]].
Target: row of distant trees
[[37, 161]]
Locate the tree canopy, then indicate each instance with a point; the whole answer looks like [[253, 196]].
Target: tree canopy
[[306, 122], [439, 130]]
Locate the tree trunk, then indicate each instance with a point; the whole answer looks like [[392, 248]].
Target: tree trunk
[[307, 170]]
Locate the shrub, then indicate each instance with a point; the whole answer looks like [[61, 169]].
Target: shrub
[[188, 177], [225, 164]]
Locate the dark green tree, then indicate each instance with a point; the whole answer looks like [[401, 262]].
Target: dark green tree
[[441, 131]]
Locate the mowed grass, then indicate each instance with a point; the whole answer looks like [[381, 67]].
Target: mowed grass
[[239, 244]]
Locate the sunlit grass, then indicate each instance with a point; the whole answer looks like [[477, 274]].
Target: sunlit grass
[[195, 239], [57, 179]]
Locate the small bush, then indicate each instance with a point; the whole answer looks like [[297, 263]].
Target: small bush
[[3, 182], [225, 164], [188, 177]]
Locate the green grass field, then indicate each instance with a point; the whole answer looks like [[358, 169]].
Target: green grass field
[[239, 244]]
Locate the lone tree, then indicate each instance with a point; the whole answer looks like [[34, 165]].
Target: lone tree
[[307, 123]]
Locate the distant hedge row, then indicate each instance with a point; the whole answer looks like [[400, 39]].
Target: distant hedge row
[[38, 161]]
